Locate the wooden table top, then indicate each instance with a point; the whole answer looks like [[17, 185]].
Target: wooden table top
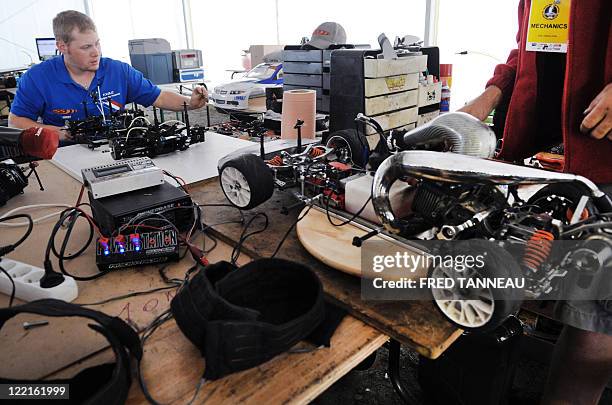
[[172, 365], [417, 324]]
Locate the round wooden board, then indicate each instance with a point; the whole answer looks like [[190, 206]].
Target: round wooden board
[[331, 244]]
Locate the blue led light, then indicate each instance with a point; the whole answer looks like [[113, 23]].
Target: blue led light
[[106, 252], [137, 248]]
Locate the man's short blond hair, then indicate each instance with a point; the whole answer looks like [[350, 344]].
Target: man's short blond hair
[[66, 21]]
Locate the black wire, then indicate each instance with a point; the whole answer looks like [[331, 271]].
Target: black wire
[[25, 235], [289, 230], [156, 323], [148, 332], [13, 286], [197, 220], [206, 252], [120, 297], [70, 226], [9, 248], [244, 236], [176, 283], [181, 185], [348, 220], [205, 228], [74, 215], [589, 226]]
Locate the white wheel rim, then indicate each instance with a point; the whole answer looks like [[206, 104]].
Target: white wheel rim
[[470, 313], [236, 187]]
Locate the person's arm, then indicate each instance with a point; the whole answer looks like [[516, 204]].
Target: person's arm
[[15, 121], [28, 105], [500, 85], [482, 105], [168, 100]]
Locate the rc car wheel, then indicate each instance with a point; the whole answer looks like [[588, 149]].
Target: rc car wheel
[[246, 181], [559, 200], [474, 308], [349, 146]]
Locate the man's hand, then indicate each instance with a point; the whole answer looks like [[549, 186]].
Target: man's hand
[[598, 120], [169, 100], [199, 98], [482, 105], [64, 134]]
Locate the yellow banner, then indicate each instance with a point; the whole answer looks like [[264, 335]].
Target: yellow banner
[[548, 26]]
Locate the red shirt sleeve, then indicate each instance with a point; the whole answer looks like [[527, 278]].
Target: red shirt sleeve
[[505, 73]]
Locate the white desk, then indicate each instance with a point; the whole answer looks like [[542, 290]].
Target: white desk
[[195, 164]]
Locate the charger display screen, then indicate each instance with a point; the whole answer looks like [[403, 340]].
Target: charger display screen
[[108, 171]]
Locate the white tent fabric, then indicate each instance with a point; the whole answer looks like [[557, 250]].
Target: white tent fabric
[[223, 29], [23, 21]]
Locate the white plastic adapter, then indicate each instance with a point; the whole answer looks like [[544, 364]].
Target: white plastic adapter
[[27, 283]]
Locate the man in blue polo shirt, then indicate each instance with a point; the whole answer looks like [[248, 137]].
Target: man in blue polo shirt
[[81, 82]]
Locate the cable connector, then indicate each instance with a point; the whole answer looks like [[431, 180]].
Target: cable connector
[[198, 255], [103, 242], [51, 278], [135, 241], [120, 243], [5, 250]]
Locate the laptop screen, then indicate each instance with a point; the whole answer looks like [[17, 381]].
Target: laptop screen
[[46, 48]]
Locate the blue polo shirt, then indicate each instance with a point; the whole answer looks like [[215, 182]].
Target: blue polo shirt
[[47, 91]]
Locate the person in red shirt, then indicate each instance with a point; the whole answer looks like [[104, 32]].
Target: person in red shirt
[[568, 92], [564, 98]]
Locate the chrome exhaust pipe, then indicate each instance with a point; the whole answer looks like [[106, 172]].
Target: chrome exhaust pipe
[[458, 132], [455, 168]]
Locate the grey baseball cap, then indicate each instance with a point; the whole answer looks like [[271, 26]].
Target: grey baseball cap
[[326, 34]]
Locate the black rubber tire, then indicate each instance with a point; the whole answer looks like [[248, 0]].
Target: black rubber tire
[[570, 194], [498, 264], [358, 145], [258, 176]]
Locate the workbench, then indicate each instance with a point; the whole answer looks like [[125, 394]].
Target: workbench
[[417, 324], [172, 365]]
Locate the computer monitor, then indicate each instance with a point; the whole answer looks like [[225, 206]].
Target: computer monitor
[[46, 48]]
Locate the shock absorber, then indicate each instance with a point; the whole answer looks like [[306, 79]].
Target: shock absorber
[[537, 249], [276, 161]]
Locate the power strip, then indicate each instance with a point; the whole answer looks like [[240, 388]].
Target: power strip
[[27, 283]]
